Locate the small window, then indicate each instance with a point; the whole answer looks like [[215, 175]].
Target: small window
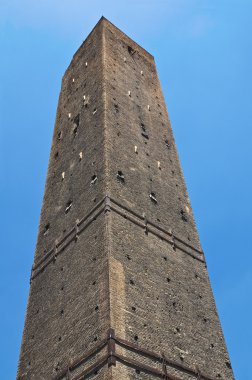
[[93, 179], [120, 176], [183, 216], [131, 51], [77, 120], [46, 229], [167, 144], [76, 124]]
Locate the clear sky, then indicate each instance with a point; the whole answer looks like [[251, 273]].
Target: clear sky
[[203, 51]]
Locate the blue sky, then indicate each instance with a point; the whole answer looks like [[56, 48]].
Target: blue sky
[[203, 51]]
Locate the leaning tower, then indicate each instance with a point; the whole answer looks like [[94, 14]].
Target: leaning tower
[[119, 285]]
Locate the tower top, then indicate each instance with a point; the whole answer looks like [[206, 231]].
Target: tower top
[[104, 22]]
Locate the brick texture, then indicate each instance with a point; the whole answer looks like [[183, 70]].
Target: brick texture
[[117, 244]]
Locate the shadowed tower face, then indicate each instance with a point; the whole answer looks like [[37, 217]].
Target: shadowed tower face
[[119, 286]]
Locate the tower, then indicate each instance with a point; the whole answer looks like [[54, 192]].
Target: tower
[[119, 285]]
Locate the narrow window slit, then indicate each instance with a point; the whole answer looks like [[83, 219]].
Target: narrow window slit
[[93, 179], [167, 144], [183, 216], [46, 229], [120, 176], [131, 51], [76, 124]]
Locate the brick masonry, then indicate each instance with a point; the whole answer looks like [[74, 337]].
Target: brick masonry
[[117, 244]]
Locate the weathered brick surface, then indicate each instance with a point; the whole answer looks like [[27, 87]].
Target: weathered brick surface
[[112, 272]]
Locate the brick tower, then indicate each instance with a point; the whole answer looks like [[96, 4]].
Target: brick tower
[[119, 286]]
